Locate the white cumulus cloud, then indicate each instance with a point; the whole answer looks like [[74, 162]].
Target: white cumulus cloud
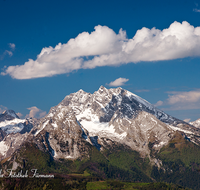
[[184, 97], [35, 112], [118, 82], [103, 47], [159, 103], [19, 114]]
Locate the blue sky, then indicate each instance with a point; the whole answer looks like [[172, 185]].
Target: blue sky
[[49, 49]]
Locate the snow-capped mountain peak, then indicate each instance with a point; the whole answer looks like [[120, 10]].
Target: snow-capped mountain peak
[[11, 123], [114, 114], [11, 113], [13, 131], [8, 115], [196, 123]]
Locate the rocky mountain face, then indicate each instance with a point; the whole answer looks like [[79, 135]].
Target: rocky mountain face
[[2, 134]]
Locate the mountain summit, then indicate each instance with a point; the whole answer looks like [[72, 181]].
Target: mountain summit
[[8, 115]]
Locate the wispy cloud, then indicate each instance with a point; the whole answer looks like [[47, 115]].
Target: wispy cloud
[[12, 46], [103, 47], [181, 100], [142, 90], [118, 82], [2, 108], [8, 52], [196, 10], [35, 112]]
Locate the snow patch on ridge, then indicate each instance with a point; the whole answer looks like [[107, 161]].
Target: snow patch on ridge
[[154, 120], [142, 101], [69, 156], [44, 125], [12, 126], [3, 148], [54, 125], [179, 129], [160, 144], [92, 124]]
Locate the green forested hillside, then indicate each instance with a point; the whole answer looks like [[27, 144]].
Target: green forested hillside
[[181, 163]]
